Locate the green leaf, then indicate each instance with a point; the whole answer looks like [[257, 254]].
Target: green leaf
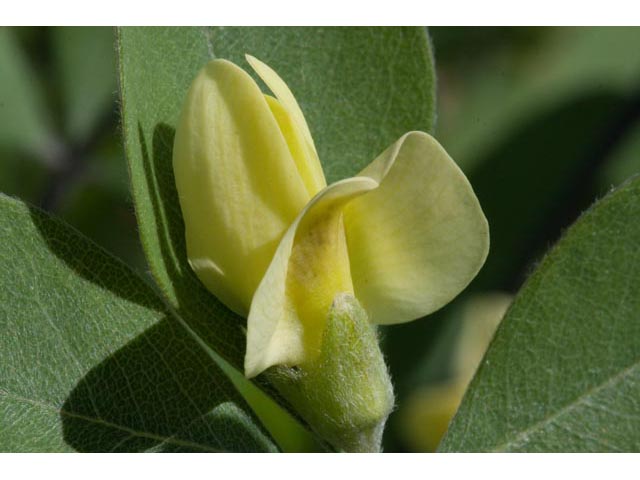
[[85, 64], [563, 372], [91, 358], [360, 90]]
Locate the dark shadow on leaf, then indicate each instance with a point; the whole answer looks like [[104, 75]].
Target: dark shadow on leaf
[[160, 392], [54, 232], [164, 196]]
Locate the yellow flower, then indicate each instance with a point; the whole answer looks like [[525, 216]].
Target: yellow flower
[[273, 242]]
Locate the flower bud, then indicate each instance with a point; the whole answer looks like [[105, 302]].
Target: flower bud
[[345, 394]]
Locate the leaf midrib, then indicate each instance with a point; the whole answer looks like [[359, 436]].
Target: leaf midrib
[[580, 399], [99, 421]]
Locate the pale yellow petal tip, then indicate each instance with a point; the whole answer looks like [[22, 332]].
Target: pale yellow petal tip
[[253, 369], [258, 65], [284, 95]]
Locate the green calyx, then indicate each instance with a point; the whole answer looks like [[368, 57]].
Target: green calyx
[[345, 394]]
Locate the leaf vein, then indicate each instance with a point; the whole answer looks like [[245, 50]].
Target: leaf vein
[[578, 401], [130, 431]]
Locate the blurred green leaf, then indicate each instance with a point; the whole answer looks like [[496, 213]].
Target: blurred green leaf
[[360, 89], [23, 113], [539, 180], [93, 361], [532, 123], [85, 70], [563, 372], [21, 176], [105, 217], [484, 100]]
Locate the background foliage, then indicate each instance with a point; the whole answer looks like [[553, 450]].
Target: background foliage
[[542, 120]]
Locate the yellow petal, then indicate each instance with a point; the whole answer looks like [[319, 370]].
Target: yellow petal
[[309, 269], [306, 165], [417, 240], [298, 135], [238, 184]]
